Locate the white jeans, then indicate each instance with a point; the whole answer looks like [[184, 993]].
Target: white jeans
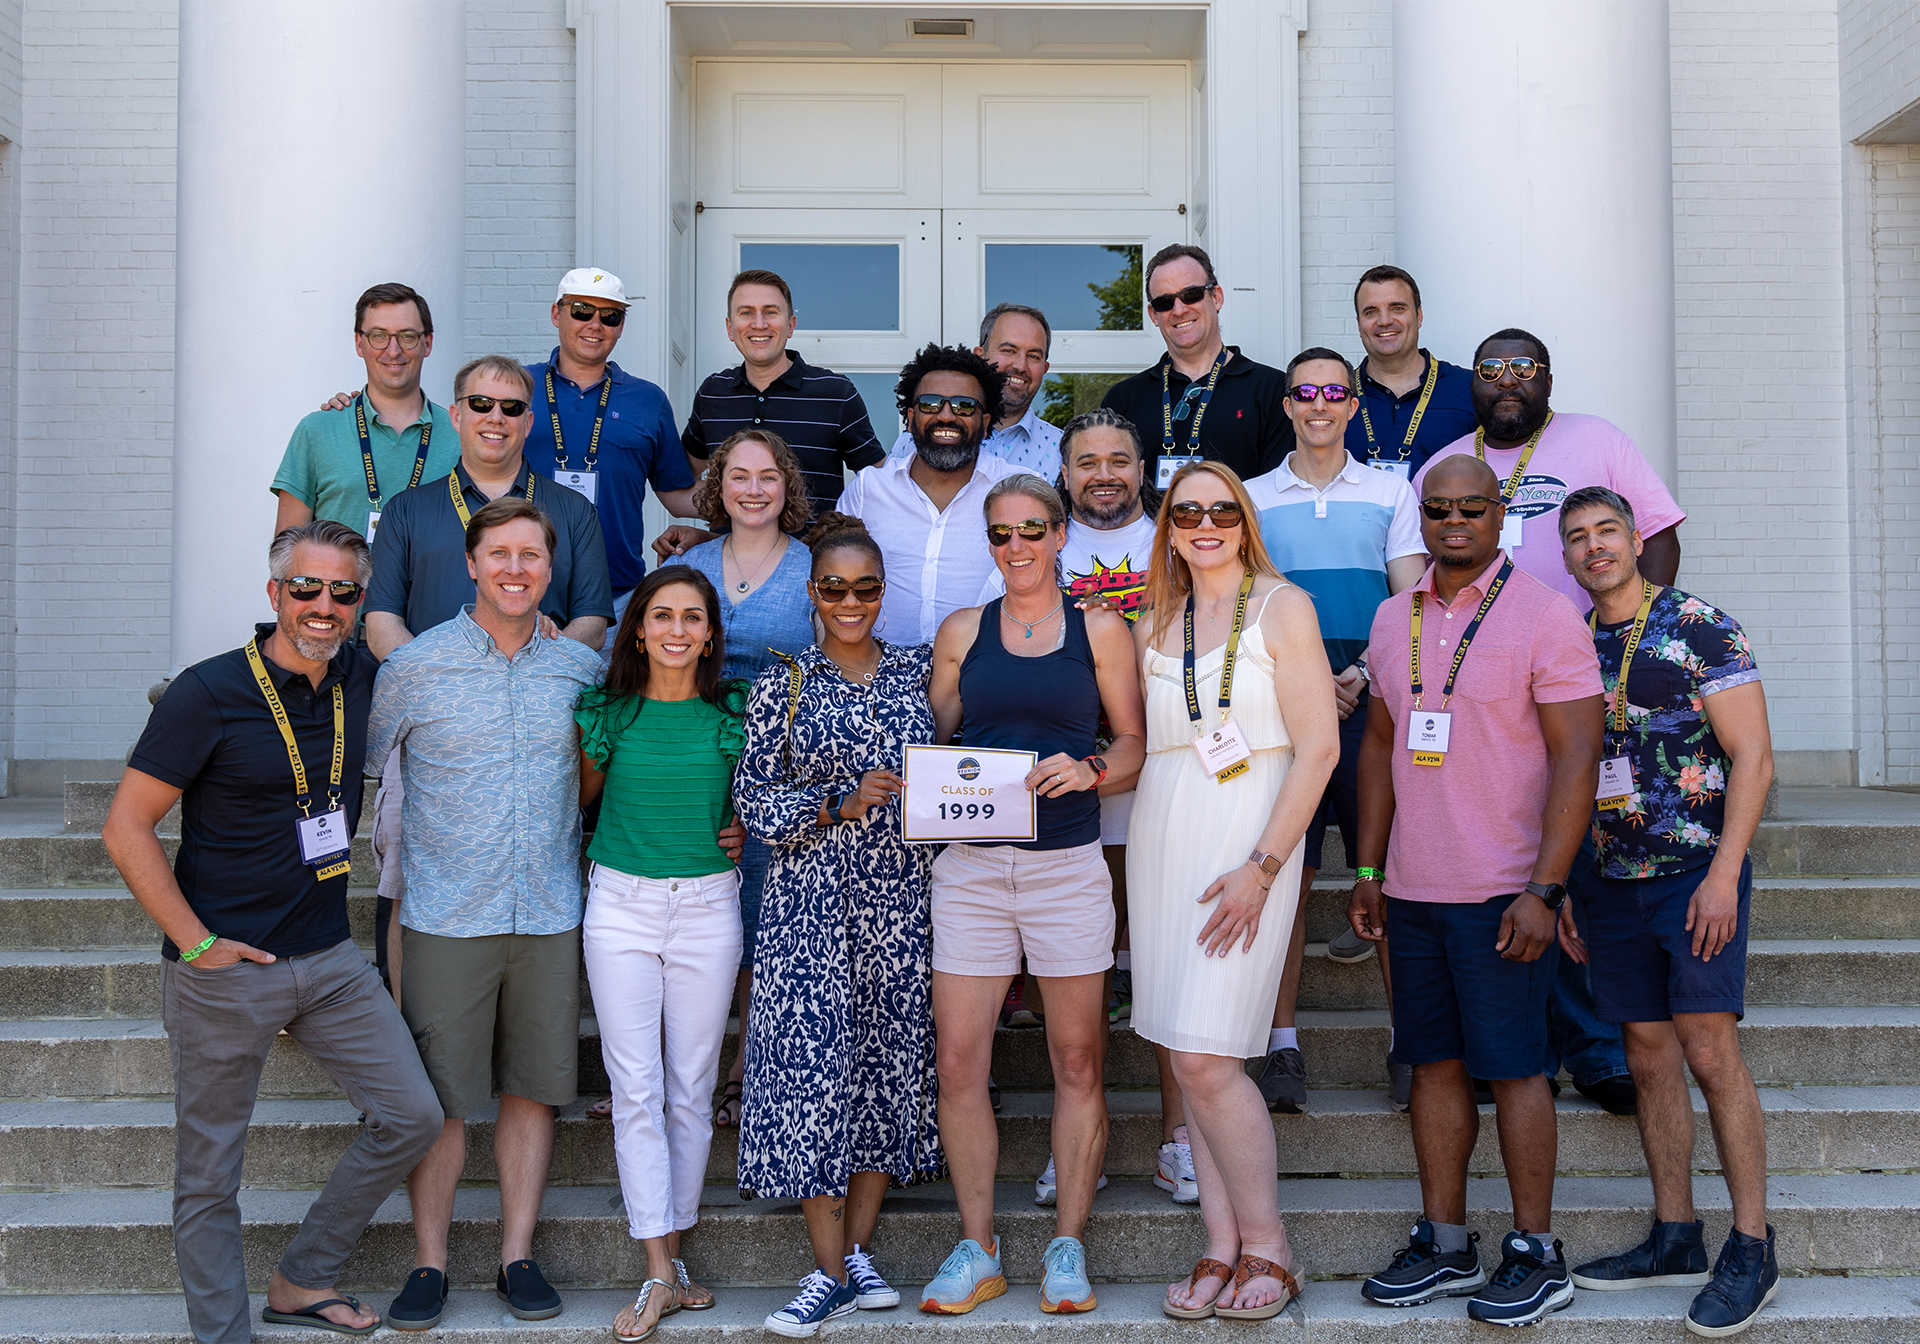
[[661, 955]]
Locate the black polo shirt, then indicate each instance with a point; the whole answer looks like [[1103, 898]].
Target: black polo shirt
[[213, 737], [1246, 424], [420, 553], [817, 411]]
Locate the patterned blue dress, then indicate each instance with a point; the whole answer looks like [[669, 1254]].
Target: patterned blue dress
[[840, 1065]]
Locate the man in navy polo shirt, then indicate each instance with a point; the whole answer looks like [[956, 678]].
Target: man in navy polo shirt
[[1411, 404]]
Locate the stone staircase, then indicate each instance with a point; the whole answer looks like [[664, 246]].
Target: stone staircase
[[1832, 1034]]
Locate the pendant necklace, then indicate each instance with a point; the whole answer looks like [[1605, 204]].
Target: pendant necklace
[[745, 584], [1028, 625]]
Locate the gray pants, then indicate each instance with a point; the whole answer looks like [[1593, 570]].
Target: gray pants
[[220, 1025]]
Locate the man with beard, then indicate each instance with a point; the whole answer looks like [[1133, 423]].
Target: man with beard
[[264, 747], [1411, 404], [925, 509], [1016, 340]]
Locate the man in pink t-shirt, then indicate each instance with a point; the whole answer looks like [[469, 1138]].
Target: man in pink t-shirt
[[1511, 387], [1480, 761]]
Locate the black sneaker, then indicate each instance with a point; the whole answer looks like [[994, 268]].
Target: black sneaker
[[1674, 1255], [1617, 1096], [1283, 1082], [1745, 1278], [1421, 1271], [526, 1291], [422, 1300], [1527, 1285]]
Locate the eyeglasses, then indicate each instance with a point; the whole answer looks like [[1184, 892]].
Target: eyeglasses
[[833, 588], [303, 589], [586, 312], [1192, 294], [1031, 529], [1335, 393], [931, 403], [513, 409], [1523, 368], [1470, 506], [1187, 516], [380, 340]]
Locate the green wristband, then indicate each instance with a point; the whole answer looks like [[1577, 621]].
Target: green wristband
[[212, 938], [1369, 874]]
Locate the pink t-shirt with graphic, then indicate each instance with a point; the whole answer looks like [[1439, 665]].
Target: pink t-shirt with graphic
[[1575, 452], [1469, 828]]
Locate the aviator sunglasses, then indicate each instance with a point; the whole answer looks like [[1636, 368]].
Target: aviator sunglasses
[[586, 312], [513, 409], [1187, 515], [1030, 529], [301, 588], [1523, 368], [1335, 393], [866, 588], [1192, 294], [1470, 506]]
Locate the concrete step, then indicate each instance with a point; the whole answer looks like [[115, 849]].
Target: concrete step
[[84, 1241], [86, 802], [128, 1143], [56, 859], [73, 919]]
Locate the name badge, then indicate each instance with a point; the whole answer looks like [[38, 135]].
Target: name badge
[[967, 795], [1511, 532], [324, 842], [1427, 734], [1616, 783], [1170, 463], [373, 522], [1404, 470], [1224, 751], [582, 482]]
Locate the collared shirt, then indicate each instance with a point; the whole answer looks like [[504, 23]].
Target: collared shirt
[[1246, 425], [817, 411], [938, 561], [1449, 414], [490, 821], [323, 468], [1028, 444], [1335, 542], [637, 446], [1469, 828], [213, 736], [420, 554]]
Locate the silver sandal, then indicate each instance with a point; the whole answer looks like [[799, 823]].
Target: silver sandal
[[680, 1272], [640, 1309]]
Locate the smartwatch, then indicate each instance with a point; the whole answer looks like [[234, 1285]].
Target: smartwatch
[[1270, 864], [1099, 765], [833, 806], [1551, 894]]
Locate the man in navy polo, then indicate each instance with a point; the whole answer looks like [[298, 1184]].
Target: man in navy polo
[[1411, 404]]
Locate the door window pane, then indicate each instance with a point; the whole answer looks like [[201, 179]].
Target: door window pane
[[1079, 286], [876, 389], [836, 286]]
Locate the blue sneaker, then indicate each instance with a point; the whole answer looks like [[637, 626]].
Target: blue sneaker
[[1674, 1255], [1526, 1287], [969, 1277], [1745, 1278], [1065, 1289], [820, 1300], [1421, 1271], [871, 1292]]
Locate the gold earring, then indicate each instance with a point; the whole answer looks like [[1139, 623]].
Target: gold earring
[[707, 650]]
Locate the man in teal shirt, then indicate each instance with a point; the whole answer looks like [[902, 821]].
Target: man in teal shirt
[[344, 465]]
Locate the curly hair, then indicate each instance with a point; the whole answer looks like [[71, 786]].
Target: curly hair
[[706, 491], [952, 359], [836, 530]]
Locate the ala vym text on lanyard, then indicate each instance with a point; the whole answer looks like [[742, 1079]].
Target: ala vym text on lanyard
[[1513, 528], [1429, 729], [460, 496], [322, 839], [1401, 466], [586, 480], [1223, 750], [1171, 461], [1616, 771], [375, 502]]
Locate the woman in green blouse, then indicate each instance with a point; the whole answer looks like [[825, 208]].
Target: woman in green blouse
[[661, 938]]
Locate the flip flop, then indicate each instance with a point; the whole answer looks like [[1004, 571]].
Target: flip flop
[[640, 1308], [601, 1109], [727, 1114], [311, 1317], [680, 1273], [1205, 1269], [1253, 1267]]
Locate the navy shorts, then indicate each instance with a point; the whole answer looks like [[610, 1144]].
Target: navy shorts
[[1454, 997], [1341, 802], [1642, 957]]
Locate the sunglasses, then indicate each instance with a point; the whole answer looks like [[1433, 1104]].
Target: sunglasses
[[303, 589], [1470, 506], [512, 409], [1187, 516], [586, 312], [1335, 393], [1192, 294], [380, 340], [1523, 368], [931, 403], [833, 588], [1032, 529]]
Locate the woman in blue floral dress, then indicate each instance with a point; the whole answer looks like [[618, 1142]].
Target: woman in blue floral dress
[[840, 1087]]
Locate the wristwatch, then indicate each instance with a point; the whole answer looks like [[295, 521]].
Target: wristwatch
[[833, 806], [1099, 764], [1270, 864], [1551, 894]]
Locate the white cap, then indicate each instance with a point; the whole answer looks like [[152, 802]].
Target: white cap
[[592, 284]]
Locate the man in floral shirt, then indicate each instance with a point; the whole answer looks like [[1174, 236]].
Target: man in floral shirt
[[1683, 780]]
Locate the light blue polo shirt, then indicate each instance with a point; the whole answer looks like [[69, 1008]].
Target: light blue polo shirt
[[1336, 542]]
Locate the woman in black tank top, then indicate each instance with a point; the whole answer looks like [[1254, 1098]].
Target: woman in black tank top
[[1029, 672]]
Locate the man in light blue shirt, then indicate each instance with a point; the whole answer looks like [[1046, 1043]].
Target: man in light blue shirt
[[1016, 340]]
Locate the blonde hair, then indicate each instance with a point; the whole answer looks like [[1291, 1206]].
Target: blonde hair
[[1169, 580]]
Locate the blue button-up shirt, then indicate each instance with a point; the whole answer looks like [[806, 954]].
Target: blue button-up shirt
[[1029, 444], [1449, 414], [491, 768]]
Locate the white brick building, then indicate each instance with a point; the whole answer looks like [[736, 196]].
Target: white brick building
[[279, 157]]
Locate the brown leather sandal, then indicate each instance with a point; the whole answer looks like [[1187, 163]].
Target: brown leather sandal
[[1253, 1267], [1205, 1269]]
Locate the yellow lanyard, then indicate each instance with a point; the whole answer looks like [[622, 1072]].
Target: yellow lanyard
[[460, 497], [1466, 637], [1419, 409], [1226, 665], [1520, 467], [1617, 714], [301, 795]]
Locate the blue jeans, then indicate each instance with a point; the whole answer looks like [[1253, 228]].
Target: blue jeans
[[754, 857], [1589, 1049]]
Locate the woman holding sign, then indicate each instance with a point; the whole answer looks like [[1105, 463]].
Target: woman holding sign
[[1241, 738], [1028, 673]]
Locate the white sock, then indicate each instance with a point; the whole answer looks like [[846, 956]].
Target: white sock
[[1389, 1040], [1283, 1038], [1123, 960]]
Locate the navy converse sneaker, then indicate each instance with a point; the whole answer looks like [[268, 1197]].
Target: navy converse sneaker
[[1421, 1271], [1674, 1255], [1526, 1286], [819, 1300], [871, 1292], [1745, 1278]]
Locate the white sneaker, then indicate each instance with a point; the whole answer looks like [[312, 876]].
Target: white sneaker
[[1046, 1187], [1175, 1175]]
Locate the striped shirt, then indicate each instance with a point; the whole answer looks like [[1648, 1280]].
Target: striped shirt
[[817, 411]]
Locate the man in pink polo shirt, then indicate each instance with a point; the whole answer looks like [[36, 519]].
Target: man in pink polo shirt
[[1481, 756]]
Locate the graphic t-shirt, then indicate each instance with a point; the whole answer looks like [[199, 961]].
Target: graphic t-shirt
[[1113, 565], [1672, 820]]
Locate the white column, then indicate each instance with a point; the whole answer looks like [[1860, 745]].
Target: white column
[[1533, 177], [322, 150]]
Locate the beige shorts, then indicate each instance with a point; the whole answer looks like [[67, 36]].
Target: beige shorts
[[992, 904]]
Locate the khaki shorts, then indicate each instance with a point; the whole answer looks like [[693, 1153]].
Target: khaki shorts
[[994, 904], [498, 1010]]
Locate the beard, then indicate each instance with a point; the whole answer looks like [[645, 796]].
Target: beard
[[948, 456], [311, 646], [1509, 426], [1102, 516]]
